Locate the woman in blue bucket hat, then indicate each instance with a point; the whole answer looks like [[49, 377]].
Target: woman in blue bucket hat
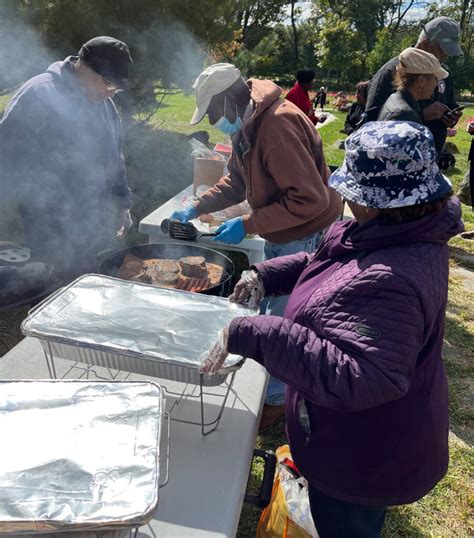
[[359, 345]]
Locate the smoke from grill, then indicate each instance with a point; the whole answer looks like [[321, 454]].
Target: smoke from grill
[[74, 201]]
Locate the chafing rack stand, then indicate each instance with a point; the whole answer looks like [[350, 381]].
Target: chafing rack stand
[[69, 327]]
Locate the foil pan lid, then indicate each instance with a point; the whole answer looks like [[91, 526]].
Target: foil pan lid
[[78, 454], [135, 319]]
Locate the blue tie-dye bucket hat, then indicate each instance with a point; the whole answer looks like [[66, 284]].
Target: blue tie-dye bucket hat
[[390, 164]]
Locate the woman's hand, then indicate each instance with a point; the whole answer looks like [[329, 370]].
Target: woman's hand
[[248, 290], [215, 357], [435, 111]]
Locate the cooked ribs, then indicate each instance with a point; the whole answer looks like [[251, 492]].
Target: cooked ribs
[[193, 266], [190, 273], [161, 266], [169, 279]]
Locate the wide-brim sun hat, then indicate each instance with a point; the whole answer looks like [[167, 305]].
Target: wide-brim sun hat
[[213, 80], [390, 164]]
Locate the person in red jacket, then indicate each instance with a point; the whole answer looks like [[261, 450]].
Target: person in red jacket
[[299, 94]]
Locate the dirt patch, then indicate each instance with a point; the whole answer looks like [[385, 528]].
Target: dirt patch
[[466, 275], [462, 257], [10, 332]]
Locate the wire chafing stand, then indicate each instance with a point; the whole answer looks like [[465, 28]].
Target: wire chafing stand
[[129, 327]]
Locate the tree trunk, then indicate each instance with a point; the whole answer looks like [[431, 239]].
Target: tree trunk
[[295, 35]]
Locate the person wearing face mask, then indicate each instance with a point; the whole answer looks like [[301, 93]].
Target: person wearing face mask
[[61, 157], [277, 164], [439, 37], [416, 76]]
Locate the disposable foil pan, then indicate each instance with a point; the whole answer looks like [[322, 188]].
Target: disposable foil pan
[[78, 455], [105, 321]]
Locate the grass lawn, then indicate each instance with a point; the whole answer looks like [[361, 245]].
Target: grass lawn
[[159, 165], [174, 115], [3, 101]]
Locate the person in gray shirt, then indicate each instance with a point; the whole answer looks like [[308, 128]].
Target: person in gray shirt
[[61, 157], [440, 37]]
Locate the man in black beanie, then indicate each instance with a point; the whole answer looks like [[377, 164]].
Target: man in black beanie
[[61, 157]]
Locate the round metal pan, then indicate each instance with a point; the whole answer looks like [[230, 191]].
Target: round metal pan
[[110, 264]]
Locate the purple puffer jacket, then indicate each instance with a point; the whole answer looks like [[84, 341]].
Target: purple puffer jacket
[[360, 350]]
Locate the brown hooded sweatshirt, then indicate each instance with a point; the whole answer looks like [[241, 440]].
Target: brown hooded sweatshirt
[[278, 165]]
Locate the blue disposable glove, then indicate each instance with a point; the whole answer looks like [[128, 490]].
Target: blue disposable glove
[[183, 215], [231, 231]]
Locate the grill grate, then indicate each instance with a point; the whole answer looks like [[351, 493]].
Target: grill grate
[[193, 284]]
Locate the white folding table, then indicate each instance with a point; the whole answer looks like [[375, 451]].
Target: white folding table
[[207, 475], [251, 246]]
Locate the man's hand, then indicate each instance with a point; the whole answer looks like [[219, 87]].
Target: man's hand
[[124, 223], [435, 111], [231, 231], [184, 215]]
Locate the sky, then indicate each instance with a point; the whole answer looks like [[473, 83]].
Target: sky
[[415, 12]]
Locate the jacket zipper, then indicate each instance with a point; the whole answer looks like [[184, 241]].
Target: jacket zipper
[[246, 170], [248, 174]]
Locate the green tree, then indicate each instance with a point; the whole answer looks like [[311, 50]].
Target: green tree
[[256, 18], [364, 16], [340, 49], [389, 43]]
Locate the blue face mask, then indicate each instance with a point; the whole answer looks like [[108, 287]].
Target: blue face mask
[[226, 126]]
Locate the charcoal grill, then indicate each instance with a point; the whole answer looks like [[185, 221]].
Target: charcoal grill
[[112, 262], [23, 280]]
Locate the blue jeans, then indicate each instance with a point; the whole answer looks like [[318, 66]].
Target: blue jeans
[[339, 519], [275, 306]]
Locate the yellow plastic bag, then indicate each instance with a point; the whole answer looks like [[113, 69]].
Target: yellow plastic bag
[[275, 521]]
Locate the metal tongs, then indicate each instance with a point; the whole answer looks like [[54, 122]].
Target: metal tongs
[[184, 231]]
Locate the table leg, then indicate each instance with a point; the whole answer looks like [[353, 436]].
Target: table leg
[[255, 256]]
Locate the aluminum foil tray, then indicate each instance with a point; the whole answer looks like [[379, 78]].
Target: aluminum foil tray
[[78, 455], [105, 321]]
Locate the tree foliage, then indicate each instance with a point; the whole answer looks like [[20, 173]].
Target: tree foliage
[[256, 18], [388, 42], [340, 48], [366, 17], [171, 40]]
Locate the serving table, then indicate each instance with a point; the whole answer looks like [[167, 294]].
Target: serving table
[[207, 474]]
